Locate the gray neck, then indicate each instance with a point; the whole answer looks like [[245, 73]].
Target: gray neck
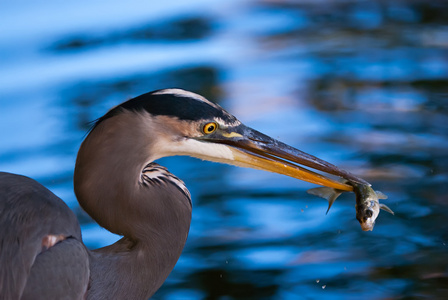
[[153, 215]]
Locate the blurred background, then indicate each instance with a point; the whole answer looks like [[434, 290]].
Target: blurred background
[[362, 84]]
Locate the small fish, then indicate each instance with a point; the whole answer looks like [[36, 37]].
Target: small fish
[[367, 203], [368, 206]]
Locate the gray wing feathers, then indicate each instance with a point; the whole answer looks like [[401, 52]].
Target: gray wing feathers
[[61, 272], [28, 213]]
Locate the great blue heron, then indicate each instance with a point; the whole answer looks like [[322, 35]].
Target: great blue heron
[[119, 185]]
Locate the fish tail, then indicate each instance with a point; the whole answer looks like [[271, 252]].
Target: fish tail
[[327, 193]]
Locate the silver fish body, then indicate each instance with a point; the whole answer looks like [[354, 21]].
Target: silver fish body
[[367, 202]]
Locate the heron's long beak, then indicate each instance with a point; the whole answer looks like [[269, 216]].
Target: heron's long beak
[[253, 149]]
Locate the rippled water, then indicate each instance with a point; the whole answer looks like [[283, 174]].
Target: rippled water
[[362, 84]]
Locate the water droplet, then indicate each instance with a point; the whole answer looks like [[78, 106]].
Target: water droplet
[[323, 287], [301, 210], [306, 206]]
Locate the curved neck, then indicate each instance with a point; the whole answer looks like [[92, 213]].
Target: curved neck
[[153, 218]]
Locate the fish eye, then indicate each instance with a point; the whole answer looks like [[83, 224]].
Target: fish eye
[[209, 127], [369, 213]]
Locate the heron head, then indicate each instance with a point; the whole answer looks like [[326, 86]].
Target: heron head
[[185, 123]]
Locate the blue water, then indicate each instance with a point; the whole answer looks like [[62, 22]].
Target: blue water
[[362, 84]]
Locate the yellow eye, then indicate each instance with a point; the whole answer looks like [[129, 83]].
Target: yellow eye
[[209, 127]]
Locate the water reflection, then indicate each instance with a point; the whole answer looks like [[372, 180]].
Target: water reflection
[[362, 84], [180, 30]]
